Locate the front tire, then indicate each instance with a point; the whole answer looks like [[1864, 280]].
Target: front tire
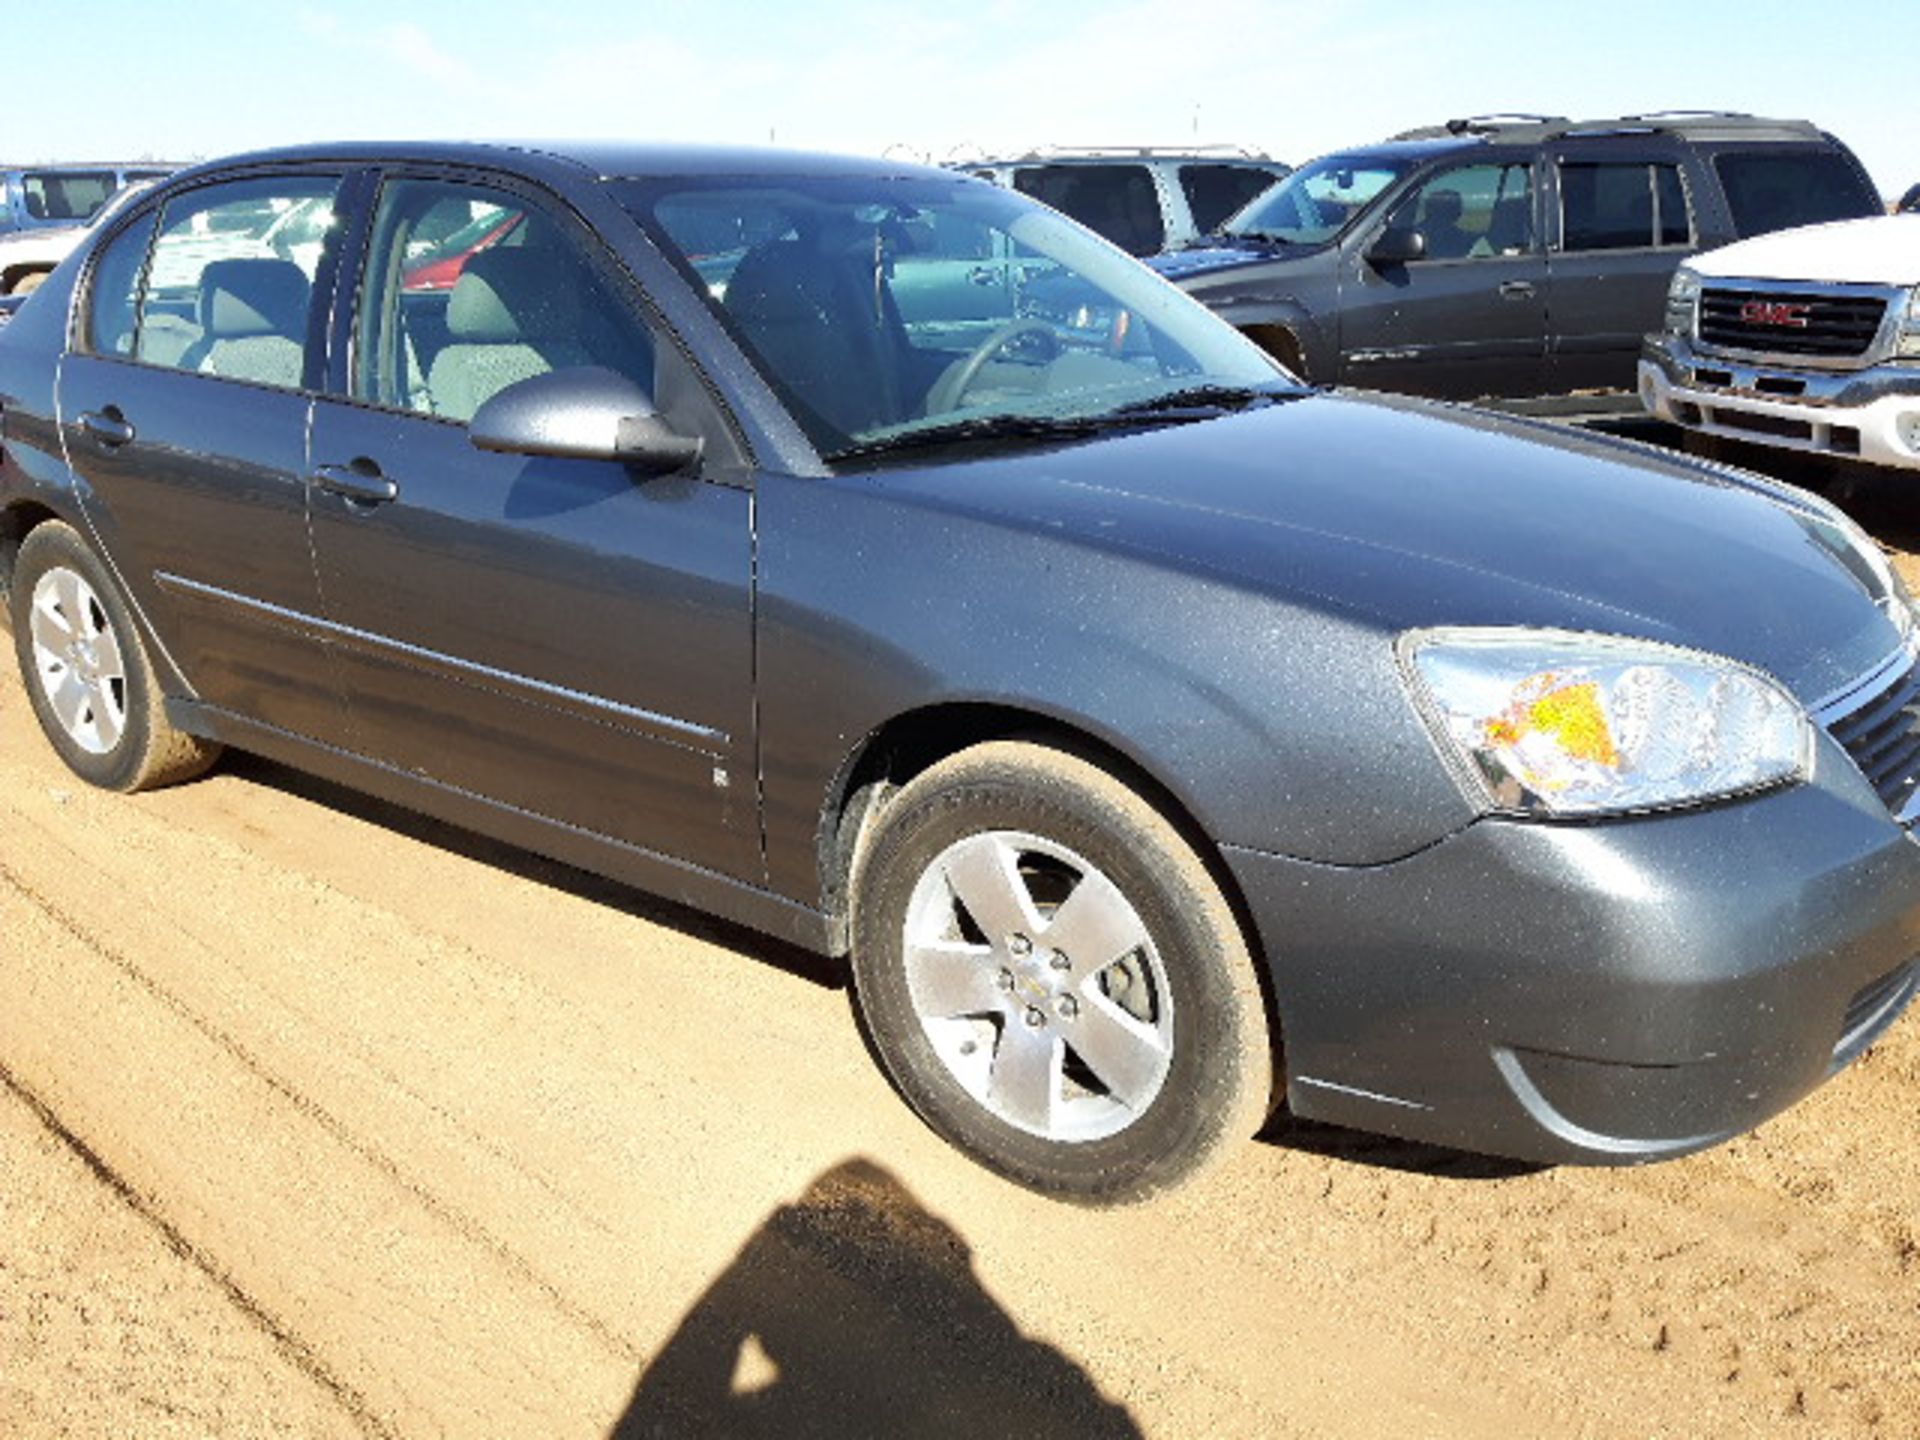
[[87, 673], [1053, 979]]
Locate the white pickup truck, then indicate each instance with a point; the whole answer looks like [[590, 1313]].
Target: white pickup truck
[[1807, 339]]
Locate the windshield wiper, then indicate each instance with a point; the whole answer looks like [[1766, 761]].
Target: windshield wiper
[[1017, 427], [1199, 402]]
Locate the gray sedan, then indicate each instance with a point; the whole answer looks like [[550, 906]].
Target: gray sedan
[[1161, 739]]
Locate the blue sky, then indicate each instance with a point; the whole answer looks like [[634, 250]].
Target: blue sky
[[1294, 77]]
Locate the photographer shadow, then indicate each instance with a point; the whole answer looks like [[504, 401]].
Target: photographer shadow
[[854, 1312]]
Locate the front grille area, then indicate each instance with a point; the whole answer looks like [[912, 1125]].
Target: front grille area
[[1883, 737], [1812, 323]]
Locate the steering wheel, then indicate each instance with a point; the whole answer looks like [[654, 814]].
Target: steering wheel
[[952, 387]]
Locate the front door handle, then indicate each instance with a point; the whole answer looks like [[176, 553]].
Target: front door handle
[[108, 426], [361, 482], [984, 275], [1516, 289]]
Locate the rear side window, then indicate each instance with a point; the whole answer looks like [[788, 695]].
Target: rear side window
[[229, 288], [1776, 189], [1115, 201], [115, 297], [1622, 206], [65, 195], [1215, 191]]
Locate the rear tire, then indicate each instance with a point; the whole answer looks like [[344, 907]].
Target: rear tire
[[87, 673], [1053, 979]]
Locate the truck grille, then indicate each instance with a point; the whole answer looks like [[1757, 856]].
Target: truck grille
[[1808, 323], [1883, 737]]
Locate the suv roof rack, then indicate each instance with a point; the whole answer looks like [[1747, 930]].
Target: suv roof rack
[[1692, 124], [1125, 152]]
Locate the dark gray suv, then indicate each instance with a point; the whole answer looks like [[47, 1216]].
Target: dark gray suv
[[1159, 738], [1506, 256]]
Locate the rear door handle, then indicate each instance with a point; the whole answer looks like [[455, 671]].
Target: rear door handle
[[360, 481], [108, 426], [1516, 289]]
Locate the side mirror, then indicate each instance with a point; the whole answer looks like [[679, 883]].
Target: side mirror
[[1397, 245], [584, 413]]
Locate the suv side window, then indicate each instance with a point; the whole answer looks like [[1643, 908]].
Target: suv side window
[[1472, 213], [1117, 202], [1773, 189], [470, 289], [1622, 206], [229, 287], [1215, 191]]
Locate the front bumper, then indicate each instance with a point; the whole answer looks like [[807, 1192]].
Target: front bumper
[[1870, 414], [1603, 993]]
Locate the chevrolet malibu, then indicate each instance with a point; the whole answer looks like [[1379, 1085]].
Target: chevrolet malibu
[[875, 558]]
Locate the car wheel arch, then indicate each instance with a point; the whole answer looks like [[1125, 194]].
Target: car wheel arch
[[910, 743], [17, 521], [12, 278]]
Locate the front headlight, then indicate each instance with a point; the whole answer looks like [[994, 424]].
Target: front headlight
[[1683, 301], [1907, 344], [1557, 723]]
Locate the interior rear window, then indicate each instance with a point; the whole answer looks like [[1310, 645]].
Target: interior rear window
[[1778, 188], [1116, 201]]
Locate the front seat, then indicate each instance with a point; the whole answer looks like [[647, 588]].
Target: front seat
[[513, 314], [253, 322], [826, 331]]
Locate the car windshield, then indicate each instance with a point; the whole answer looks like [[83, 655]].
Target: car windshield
[[891, 312], [1318, 201]]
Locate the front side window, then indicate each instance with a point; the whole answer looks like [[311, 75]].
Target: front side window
[[1318, 202], [1472, 213], [1114, 201], [470, 289], [1622, 206], [863, 304], [1786, 186], [229, 283]]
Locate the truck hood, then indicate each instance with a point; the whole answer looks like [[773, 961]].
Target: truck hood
[[1182, 265], [1880, 250], [1404, 514]]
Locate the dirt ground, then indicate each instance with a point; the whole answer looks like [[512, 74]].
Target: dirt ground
[[320, 1119]]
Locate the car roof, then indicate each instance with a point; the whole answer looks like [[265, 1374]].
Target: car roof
[[596, 159]]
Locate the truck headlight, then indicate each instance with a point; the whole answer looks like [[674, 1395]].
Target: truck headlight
[[1683, 302], [1907, 343], [1548, 723]]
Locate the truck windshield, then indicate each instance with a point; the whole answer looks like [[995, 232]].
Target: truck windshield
[[1318, 201], [1777, 188]]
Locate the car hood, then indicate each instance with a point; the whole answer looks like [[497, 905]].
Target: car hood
[[1880, 250], [1405, 514]]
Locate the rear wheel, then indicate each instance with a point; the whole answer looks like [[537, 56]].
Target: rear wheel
[[87, 672], [26, 284], [1053, 978]]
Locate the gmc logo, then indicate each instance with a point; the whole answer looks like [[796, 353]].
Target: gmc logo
[[1777, 313]]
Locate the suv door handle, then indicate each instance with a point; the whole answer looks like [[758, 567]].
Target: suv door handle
[[360, 481], [108, 426], [984, 275], [1516, 289]]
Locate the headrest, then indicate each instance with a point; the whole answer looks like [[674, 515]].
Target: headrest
[[240, 298], [1442, 207], [509, 295]]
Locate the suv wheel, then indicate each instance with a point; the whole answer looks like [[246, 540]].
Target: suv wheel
[[1053, 979]]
